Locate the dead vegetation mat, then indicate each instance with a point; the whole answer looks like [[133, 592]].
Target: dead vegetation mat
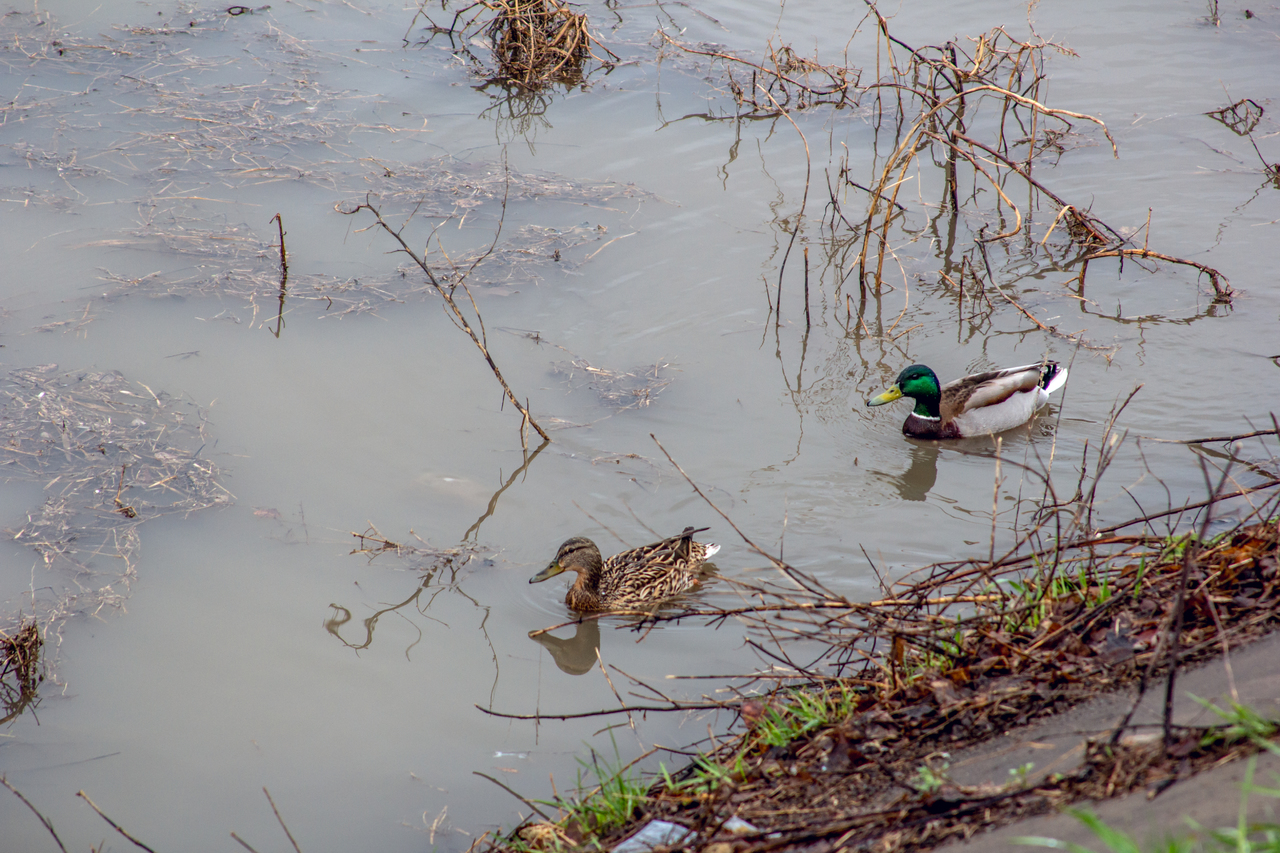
[[534, 43], [109, 455], [949, 670]]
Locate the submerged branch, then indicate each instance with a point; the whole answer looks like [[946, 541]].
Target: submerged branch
[[458, 317], [117, 827], [1221, 287], [44, 820]]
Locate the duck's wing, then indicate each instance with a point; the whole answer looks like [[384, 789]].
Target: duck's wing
[[992, 388], [675, 550], [655, 571]]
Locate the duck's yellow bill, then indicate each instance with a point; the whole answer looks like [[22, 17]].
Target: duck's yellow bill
[[549, 572], [888, 395]]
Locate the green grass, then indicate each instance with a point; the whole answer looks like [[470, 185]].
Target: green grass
[[1040, 595], [794, 713], [598, 809], [1115, 840], [940, 660], [1092, 587], [1019, 775], [929, 779], [708, 775], [1175, 547], [1240, 721], [1245, 837], [790, 715]]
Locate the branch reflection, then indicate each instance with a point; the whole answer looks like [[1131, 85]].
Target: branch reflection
[[493, 501]]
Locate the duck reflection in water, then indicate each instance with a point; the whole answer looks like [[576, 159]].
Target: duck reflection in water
[[914, 483], [575, 655]]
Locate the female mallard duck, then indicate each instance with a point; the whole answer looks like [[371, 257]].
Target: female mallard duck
[[980, 404], [637, 578]]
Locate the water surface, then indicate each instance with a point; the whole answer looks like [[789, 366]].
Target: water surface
[[140, 169]]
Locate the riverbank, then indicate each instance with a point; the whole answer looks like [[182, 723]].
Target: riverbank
[[977, 695]]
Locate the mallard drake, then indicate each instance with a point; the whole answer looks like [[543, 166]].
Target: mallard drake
[[980, 404], [637, 578]]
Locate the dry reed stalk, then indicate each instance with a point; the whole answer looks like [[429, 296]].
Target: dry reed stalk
[[117, 827], [48, 825], [19, 658], [789, 82], [952, 89]]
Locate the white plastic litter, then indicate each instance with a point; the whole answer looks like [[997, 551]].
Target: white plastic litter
[[737, 826], [656, 833]]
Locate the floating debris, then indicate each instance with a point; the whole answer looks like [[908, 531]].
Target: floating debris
[[19, 667], [420, 557], [230, 137], [620, 390], [111, 454], [533, 42]]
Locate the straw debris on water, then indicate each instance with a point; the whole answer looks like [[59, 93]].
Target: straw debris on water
[[111, 454]]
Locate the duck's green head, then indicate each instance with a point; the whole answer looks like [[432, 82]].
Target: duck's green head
[[917, 382]]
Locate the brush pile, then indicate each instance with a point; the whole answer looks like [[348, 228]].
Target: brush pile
[[19, 668], [534, 42], [538, 41]]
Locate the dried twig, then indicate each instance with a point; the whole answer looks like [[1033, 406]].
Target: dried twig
[[284, 275], [44, 820], [1221, 287], [276, 812], [82, 795], [530, 803], [458, 317]]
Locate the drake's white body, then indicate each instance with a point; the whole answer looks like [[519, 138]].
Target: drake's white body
[[983, 417]]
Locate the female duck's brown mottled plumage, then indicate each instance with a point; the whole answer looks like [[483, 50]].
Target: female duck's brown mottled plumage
[[633, 579]]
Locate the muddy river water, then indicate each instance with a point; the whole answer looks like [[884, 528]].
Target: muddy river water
[[145, 148]]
